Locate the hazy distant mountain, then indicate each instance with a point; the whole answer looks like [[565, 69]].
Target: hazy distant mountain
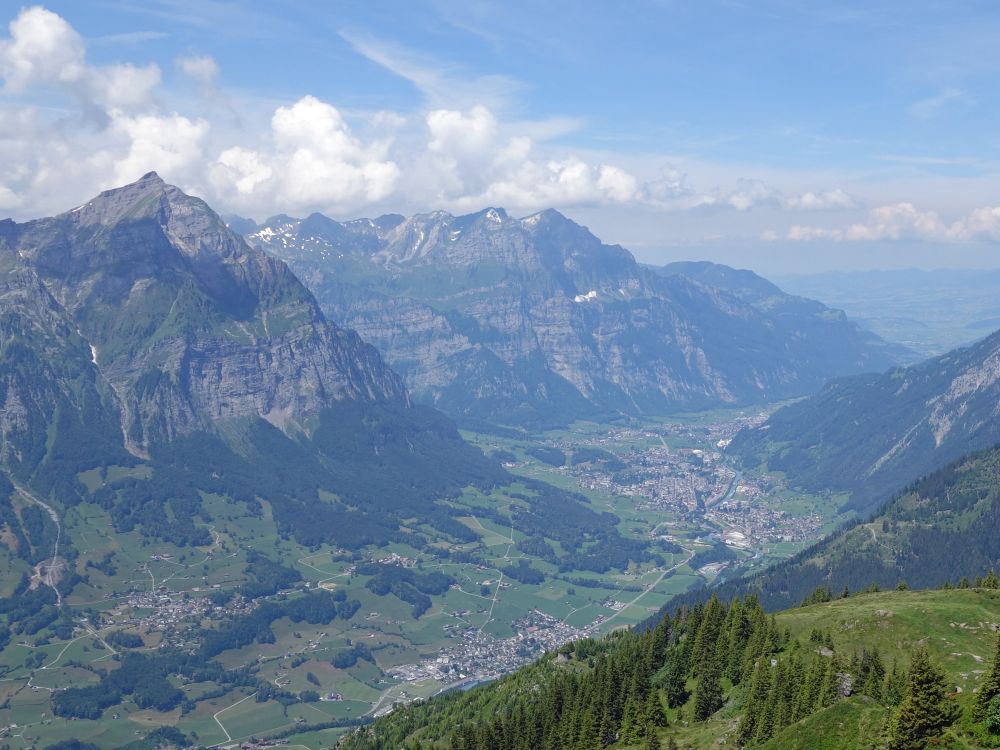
[[930, 312], [870, 434], [535, 320]]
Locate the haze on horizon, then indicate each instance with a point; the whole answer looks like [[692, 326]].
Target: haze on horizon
[[784, 137]]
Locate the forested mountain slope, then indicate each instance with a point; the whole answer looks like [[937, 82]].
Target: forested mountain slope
[[868, 435], [892, 670]]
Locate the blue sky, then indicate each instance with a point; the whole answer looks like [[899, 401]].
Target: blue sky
[[775, 135]]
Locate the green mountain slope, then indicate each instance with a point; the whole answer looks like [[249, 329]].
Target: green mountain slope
[[217, 507], [868, 435], [650, 689]]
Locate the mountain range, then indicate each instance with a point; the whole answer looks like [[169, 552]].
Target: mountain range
[[536, 321]]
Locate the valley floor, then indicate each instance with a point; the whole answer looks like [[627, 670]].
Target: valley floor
[[667, 482]]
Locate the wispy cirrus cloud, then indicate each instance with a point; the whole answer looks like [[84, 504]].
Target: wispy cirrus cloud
[[930, 106], [440, 83]]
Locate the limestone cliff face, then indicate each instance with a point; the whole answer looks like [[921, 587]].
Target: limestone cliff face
[[535, 319], [180, 324]]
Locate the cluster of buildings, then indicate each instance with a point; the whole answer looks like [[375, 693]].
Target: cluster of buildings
[[750, 524], [680, 480], [394, 558], [481, 656]]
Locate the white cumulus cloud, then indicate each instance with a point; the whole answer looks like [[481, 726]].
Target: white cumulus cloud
[[43, 48], [902, 221], [311, 160]]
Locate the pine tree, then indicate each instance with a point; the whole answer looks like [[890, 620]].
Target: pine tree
[[989, 688], [926, 709], [675, 679], [708, 691], [895, 686], [760, 686], [992, 719], [871, 674], [632, 721], [809, 691], [706, 640], [831, 683], [765, 723], [654, 710]]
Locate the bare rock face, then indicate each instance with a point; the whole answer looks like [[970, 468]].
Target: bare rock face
[[536, 320], [177, 321]]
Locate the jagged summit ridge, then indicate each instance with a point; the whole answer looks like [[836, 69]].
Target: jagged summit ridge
[[535, 318]]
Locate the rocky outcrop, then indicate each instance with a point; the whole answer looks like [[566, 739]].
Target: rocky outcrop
[[180, 323], [536, 320]]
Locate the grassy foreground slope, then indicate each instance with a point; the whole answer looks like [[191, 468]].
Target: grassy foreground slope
[[957, 627]]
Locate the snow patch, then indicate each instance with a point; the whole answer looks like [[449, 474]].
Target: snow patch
[[588, 297]]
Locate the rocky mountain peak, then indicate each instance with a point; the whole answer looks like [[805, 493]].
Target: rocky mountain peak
[[187, 323]]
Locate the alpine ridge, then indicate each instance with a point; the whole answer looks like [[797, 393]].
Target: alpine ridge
[[536, 321]]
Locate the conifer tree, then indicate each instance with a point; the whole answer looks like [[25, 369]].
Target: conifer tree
[[765, 722], [708, 691], [706, 639], [760, 686], [871, 674], [674, 679], [895, 686], [831, 683], [989, 688], [926, 709], [654, 710], [632, 721], [810, 689], [992, 719]]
